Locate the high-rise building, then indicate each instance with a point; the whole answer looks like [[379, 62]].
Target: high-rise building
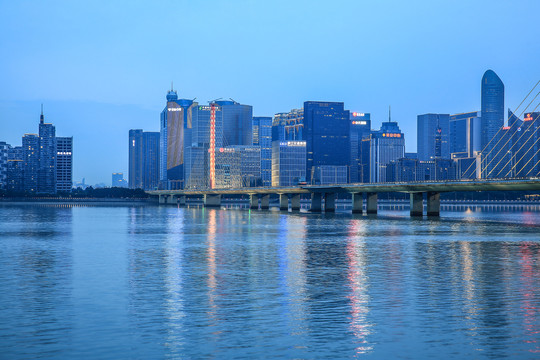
[[527, 147], [47, 157], [64, 163], [238, 166], [492, 120], [326, 132], [175, 129], [15, 169], [385, 145], [432, 136], [150, 175], [464, 134], [237, 123], [262, 137], [288, 126], [4, 151], [288, 163], [360, 128], [30, 145], [143, 159]]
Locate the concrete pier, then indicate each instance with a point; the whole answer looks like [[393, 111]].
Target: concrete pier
[[254, 202], [181, 200], [417, 204], [316, 202], [433, 203], [284, 202], [330, 202], [371, 206], [265, 202], [295, 202], [357, 203], [212, 200]]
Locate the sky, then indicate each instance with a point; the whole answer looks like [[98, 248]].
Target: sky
[[101, 68]]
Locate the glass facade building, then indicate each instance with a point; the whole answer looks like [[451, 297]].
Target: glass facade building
[[433, 136], [385, 145], [492, 120], [262, 137], [288, 163], [326, 132], [47, 158], [143, 159], [360, 128]]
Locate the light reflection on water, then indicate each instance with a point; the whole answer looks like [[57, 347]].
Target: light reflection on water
[[154, 282]]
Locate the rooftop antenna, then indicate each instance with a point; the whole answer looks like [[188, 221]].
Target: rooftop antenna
[[41, 116], [172, 86], [389, 113]]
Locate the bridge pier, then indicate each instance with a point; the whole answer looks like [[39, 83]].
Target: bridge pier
[[254, 201], [357, 203], [371, 206], [212, 200], [329, 202], [295, 202], [265, 202], [417, 204], [316, 202], [181, 200], [433, 203], [162, 199], [284, 202]]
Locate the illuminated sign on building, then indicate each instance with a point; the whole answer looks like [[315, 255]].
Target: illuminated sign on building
[[506, 127], [292, 143], [528, 117], [174, 109], [357, 122], [391, 135], [356, 114]]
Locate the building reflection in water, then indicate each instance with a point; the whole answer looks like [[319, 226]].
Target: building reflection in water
[[529, 295], [358, 284], [174, 283], [292, 272], [211, 261]]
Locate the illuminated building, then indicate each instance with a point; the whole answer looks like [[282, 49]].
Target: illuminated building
[[262, 137], [4, 150], [30, 145], [238, 166], [64, 163], [288, 162], [237, 122], [432, 135], [492, 120], [464, 134], [47, 157], [360, 127], [135, 159], [326, 132], [329, 174], [175, 129], [15, 169], [385, 145], [118, 180], [527, 147]]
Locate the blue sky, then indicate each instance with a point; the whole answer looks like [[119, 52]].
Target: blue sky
[[103, 67]]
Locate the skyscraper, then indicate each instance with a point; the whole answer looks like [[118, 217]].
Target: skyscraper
[[360, 128], [430, 139], [15, 169], [492, 120], [4, 151], [237, 122], [385, 145], [64, 163], [262, 136], [30, 145], [175, 127], [326, 130], [135, 180], [288, 162], [47, 157], [464, 134]]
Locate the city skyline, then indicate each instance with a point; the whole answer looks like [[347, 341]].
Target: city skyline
[[88, 80]]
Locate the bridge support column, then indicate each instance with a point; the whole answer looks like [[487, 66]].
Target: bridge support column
[[371, 206], [316, 200], [357, 203], [417, 204], [284, 202], [433, 203], [295, 202], [254, 201], [182, 200], [212, 200], [265, 202], [163, 199], [330, 202]]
